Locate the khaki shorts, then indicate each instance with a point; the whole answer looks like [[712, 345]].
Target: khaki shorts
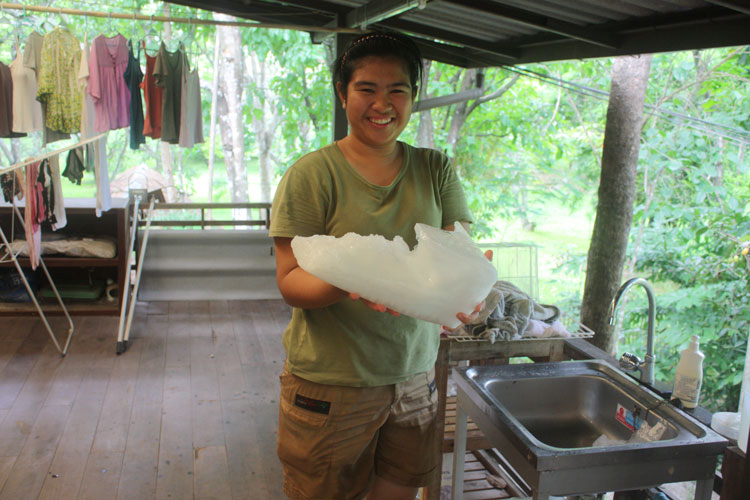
[[334, 439]]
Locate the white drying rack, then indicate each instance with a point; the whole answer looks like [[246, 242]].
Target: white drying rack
[[11, 256], [578, 331]]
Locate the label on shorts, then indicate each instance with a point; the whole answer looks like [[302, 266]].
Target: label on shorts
[[432, 386], [311, 404]]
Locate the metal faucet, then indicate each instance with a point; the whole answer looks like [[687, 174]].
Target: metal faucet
[[628, 361]]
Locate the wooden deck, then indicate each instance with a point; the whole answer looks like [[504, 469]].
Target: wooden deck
[[188, 411]]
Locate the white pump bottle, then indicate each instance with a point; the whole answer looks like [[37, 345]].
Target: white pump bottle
[[689, 374]]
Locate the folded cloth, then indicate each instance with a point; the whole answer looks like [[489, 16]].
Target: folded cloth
[[506, 314], [540, 329]]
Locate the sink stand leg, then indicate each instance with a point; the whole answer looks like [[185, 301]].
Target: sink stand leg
[[459, 454], [704, 489]]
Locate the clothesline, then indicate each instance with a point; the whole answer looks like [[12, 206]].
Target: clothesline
[[18, 165], [169, 19]]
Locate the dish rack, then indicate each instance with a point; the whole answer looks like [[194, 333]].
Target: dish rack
[[577, 331]]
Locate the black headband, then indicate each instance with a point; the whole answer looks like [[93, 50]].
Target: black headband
[[368, 37]]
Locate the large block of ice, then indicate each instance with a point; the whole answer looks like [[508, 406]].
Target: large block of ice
[[445, 273]]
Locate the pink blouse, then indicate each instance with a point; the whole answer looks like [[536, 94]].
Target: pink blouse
[[107, 86]]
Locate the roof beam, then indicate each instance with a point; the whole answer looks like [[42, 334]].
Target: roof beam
[[539, 22], [509, 54], [743, 8], [376, 11]]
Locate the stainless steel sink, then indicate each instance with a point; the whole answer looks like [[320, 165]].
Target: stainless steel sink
[[545, 418]]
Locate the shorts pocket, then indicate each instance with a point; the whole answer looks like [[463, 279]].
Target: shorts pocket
[[300, 415]]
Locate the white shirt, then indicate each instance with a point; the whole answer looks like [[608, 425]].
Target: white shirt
[[27, 111]]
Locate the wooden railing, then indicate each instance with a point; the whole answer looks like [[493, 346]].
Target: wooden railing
[[262, 211]]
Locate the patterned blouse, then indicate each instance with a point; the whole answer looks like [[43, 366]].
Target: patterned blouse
[[58, 88]]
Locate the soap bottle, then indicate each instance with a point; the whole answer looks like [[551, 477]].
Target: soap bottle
[[688, 377], [744, 408]]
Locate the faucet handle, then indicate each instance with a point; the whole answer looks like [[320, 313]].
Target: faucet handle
[[630, 362]]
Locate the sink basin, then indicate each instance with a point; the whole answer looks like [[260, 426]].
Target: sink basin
[[572, 427]]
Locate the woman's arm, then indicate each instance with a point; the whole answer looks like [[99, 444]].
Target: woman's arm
[[298, 287]]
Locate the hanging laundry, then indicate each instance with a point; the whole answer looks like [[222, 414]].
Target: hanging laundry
[[191, 114], [13, 185], [88, 114], [87, 102], [96, 152], [107, 63], [168, 75], [45, 195], [33, 229], [32, 59], [27, 111], [133, 77], [152, 95], [7, 184], [74, 166], [58, 212], [6, 103], [103, 192], [60, 59]]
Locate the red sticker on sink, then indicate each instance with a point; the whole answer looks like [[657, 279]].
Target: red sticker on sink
[[626, 418]]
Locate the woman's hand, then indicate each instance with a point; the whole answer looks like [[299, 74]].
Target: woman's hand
[[469, 318], [374, 306]]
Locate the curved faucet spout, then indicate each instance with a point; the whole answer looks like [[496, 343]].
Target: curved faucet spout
[[647, 368]]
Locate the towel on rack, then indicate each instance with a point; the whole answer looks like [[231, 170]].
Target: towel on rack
[[506, 314]]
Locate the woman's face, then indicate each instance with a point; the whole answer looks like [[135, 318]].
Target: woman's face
[[378, 100]]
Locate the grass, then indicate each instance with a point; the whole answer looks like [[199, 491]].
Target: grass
[[562, 238]]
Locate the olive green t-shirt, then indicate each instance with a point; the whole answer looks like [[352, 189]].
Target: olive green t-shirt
[[347, 343]]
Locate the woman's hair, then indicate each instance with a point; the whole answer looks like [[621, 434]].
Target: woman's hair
[[379, 43]]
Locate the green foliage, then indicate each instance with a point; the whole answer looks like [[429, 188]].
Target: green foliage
[[692, 218]]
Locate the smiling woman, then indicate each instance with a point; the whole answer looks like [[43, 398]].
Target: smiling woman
[[358, 398]]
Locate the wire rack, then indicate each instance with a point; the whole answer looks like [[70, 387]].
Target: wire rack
[[577, 331], [516, 263]]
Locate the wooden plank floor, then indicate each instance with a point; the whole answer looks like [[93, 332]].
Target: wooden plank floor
[[188, 411]]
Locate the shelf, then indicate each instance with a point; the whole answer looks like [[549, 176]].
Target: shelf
[[51, 307], [82, 220], [68, 262]]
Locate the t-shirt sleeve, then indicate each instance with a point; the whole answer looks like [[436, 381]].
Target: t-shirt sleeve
[[31, 52], [94, 84], [83, 67], [297, 209], [452, 195], [160, 69]]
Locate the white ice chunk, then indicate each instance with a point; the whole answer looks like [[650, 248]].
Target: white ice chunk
[[445, 273]]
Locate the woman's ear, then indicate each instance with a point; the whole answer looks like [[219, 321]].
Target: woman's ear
[[342, 96]]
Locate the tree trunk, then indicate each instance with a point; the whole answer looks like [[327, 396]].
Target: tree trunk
[[614, 213], [460, 112], [265, 127], [212, 127], [166, 152], [231, 107], [425, 127]]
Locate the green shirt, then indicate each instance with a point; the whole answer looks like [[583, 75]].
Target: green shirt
[[58, 89], [347, 343]]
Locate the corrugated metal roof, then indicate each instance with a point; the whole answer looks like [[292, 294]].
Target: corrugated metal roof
[[473, 33]]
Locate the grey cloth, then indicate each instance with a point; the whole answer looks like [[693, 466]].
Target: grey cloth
[[506, 314]]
